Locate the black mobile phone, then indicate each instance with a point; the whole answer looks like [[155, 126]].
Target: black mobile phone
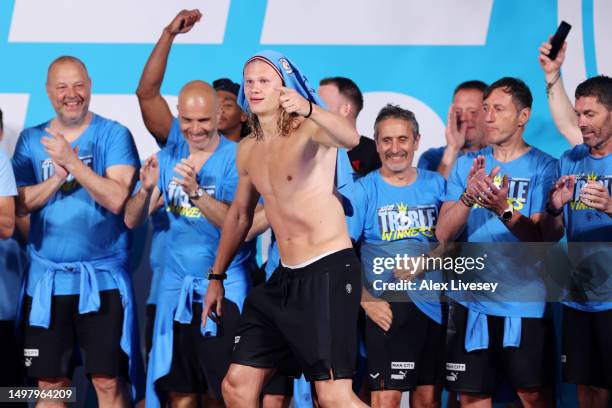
[[558, 39]]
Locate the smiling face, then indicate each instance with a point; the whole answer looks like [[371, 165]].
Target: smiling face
[[396, 144], [468, 107], [69, 91], [595, 122], [503, 118], [198, 111], [261, 84], [230, 116]]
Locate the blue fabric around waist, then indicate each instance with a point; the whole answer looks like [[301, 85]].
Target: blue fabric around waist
[[477, 331], [43, 288], [174, 303]]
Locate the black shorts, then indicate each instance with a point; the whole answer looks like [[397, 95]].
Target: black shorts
[[586, 356], [529, 366], [199, 363], [49, 353], [12, 373], [304, 320], [411, 353], [279, 385]]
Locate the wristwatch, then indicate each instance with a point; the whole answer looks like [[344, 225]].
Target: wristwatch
[[216, 276], [199, 192], [506, 216]]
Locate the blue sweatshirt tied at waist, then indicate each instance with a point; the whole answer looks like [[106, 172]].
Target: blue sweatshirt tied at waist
[[89, 301]]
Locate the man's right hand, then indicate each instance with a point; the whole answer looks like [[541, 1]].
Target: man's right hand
[[213, 300], [149, 174], [551, 67], [184, 21], [379, 312], [561, 193]]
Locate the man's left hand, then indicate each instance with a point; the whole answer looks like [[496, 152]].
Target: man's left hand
[[491, 197], [59, 148], [595, 195], [189, 183]]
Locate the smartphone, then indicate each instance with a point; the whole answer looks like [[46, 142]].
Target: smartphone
[[558, 39]]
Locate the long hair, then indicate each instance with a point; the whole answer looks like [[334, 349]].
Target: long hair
[[285, 124]]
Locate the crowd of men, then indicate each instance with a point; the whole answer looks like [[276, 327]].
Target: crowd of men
[[273, 153]]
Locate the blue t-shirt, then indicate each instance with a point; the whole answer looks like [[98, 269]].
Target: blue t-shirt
[[194, 238], [72, 226], [585, 224], [431, 158], [386, 214], [530, 178], [12, 260]]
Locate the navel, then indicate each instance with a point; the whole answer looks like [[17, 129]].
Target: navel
[[289, 178]]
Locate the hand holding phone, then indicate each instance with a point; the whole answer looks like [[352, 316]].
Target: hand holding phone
[[558, 39]]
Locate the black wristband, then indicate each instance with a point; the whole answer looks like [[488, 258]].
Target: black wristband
[[552, 212], [216, 276], [309, 110]]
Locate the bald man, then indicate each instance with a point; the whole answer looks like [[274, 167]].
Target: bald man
[[165, 129], [194, 180], [74, 174]]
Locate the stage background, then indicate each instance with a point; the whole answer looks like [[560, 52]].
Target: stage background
[[410, 52]]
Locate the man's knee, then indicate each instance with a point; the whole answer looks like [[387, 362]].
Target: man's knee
[[386, 399], [427, 396], [232, 388], [107, 385], [334, 393], [535, 396], [47, 383]]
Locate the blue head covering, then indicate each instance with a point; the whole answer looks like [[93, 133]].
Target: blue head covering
[[290, 74], [293, 78]]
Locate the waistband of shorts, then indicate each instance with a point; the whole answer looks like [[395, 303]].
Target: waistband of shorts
[[334, 258]]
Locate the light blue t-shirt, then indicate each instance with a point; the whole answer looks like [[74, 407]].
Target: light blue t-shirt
[[430, 159], [530, 178], [585, 224], [392, 220], [12, 261], [72, 226], [194, 238]]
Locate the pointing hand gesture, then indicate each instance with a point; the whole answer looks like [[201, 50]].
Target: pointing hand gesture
[[293, 102]]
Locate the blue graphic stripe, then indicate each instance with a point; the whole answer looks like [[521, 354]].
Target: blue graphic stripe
[[588, 38]]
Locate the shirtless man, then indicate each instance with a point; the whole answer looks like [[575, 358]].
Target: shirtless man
[[305, 317]]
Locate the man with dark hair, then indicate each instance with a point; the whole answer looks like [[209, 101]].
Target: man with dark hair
[[581, 198], [342, 96], [233, 121], [499, 194], [465, 129], [396, 209], [74, 174]]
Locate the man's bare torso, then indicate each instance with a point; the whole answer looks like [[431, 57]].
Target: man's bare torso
[[295, 176]]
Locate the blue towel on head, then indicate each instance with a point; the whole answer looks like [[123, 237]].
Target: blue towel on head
[[293, 78], [477, 331]]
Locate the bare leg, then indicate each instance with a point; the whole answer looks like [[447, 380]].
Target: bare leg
[[110, 391], [242, 385], [50, 383], [536, 397], [276, 401], [470, 400], [386, 399], [337, 393], [426, 396], [183, 400], [592, 397]]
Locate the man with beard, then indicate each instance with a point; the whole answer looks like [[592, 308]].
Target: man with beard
[[74, 174], [581, 198]]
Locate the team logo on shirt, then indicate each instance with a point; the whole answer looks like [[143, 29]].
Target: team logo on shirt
[[398, 221], [518, 190], [71, 183], [581, 180], [181, 205]]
